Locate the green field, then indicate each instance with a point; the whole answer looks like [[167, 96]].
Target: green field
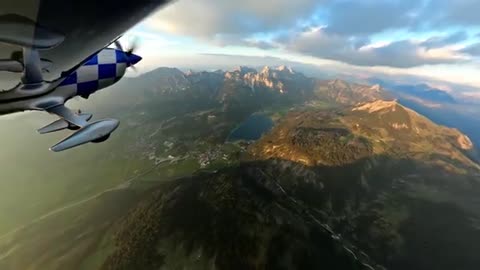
[[35, 181], [75, 198]]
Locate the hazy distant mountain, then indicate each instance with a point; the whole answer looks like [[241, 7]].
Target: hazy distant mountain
[[425, 92], [438, 105], [421, 91]]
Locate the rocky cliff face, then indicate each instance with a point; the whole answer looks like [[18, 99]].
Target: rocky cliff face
[[341, 92]]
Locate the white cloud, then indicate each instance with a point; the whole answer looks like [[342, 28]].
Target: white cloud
[[402, 53], [208, 18], [368, 17], [350, 33]]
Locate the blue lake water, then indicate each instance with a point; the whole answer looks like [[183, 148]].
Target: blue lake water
[[251, 129]]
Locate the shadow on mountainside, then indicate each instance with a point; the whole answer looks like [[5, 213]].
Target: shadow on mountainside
[[278, 214]]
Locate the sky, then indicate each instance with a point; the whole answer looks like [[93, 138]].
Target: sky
[[437, 39]]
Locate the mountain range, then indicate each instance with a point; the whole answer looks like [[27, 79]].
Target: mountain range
[[346, 177]]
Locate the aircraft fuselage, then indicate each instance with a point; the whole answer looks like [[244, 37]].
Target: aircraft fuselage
[[99, 71]]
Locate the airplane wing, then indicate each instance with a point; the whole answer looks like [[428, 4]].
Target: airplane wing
[[87, 25]]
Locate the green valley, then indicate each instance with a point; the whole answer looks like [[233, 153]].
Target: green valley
[[346, 178]]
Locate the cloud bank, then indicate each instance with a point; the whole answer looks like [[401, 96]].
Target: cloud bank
[[391, 33]]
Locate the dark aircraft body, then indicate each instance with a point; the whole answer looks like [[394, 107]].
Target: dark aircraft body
[[54, 50], [87, 25]]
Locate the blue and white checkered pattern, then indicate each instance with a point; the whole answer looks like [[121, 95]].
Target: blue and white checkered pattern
[[100, 71]]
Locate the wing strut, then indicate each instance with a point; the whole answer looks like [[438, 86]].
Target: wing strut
[[32, 73], [78, 120]]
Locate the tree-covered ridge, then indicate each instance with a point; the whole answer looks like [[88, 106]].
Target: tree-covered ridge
[[238, 218]]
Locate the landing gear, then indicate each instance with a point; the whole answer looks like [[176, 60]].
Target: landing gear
[[73, 127], [96, 132], [102, 139]]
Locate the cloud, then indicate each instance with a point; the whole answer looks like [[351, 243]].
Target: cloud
[[340, 30], [352, 17], [448, 13], [209, 18], [227, 62], [473, 49], [367, 17], [442, 41], [240, 40], [402, 53]]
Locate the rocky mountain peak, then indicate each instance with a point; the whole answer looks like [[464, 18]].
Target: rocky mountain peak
[[378, 105], [189, 72], [265, 70], [339, 83], [376, 88], [287, 69], [464, 142]]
